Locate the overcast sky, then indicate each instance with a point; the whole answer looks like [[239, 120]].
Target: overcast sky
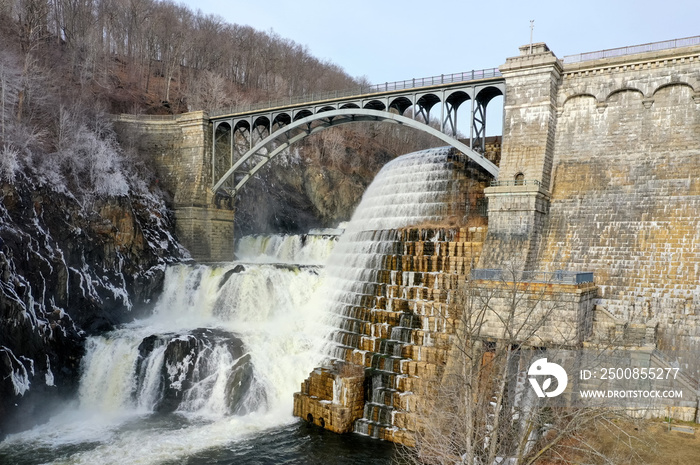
[[393, 40]]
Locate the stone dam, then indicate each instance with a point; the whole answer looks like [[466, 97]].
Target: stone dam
[[599, 173]]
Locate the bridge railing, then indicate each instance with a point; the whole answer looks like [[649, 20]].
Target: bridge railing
[[632, 50], [127, 116], [364, 90], [515, 182], [555, 277]]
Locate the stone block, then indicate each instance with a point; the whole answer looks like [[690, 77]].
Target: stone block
[[206, 232]]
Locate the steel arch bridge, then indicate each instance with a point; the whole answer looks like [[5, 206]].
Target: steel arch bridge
[[254, 136]]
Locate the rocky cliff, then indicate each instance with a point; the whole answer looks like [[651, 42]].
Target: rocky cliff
[[69, 268]]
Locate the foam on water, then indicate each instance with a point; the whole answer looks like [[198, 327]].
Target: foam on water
[[268, 308]]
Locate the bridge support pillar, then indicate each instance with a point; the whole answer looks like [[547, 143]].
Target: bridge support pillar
[[179, 147], [206, 231], [519, 200]]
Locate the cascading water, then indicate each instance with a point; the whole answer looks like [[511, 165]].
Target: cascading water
[[218, 361], [307, 249], [419, 188]]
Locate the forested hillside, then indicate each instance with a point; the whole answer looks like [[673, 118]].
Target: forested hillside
[[156, 56]]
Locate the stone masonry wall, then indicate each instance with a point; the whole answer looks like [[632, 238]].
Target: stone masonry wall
[[180, 149], [419, 291], [600, 172], [519, 200], [625, 198], [547, 313], [530, 123], [414, 290], [332, 398]]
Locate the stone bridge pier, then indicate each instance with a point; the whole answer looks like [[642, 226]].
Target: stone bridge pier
[[179, 147]]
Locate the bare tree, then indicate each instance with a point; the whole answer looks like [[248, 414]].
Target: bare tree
[[208, 92], [482, 411], [9, 92]]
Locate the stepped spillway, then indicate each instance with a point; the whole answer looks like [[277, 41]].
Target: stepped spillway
[[389, 284]]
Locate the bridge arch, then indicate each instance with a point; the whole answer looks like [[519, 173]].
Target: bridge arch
[[457, 97], [400, 104], [375, 105], [242, 124], [301, 114], [262, 153], [261, 121], [425, 102], [412, 103], [223, 134], [281, 119], [222, 129], [325, 108], [486, 94]]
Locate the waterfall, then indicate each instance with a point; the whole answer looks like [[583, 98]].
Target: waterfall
[[202, 371], [413, 189], [226, 347], [239, 338], [207, 348], [306, 249], [418, 188], [218, 360]]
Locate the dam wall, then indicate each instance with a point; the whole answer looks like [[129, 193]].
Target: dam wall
[[625, 201], [600, 172], [407, 324], [402, 334]]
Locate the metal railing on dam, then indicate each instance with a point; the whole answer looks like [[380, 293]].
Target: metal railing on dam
[[414, 83], [632, 50], [515, 182], [554, 277]]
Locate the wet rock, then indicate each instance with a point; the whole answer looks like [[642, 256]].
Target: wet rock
[[190, 366], [237, 269], [68, 271]]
